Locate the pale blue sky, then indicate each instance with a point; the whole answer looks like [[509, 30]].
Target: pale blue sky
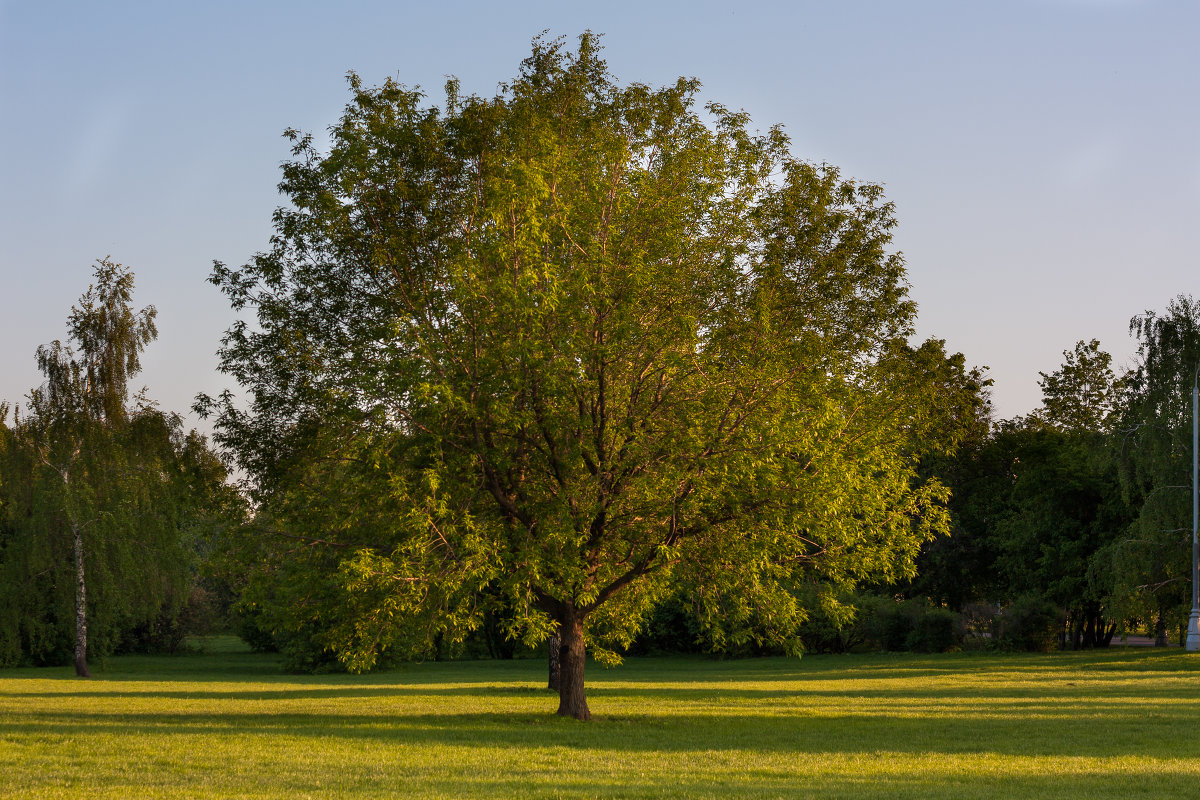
[[1044, 155]]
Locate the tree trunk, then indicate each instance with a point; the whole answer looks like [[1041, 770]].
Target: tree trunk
[[553, 647], [1089, 631], [81, 668], [1108, 633], [572, 702], [1160, 631]]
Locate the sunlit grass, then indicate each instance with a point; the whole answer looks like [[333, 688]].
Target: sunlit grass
[[1121, 724]]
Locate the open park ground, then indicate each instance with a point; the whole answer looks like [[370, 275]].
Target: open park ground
[[1122, 723]]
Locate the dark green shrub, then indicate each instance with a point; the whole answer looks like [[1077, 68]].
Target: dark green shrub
[[672, 627], [162, 634], [248, 621], [896, 626], [887, 622], [1031, 624], [932, 631], [835, 629], [979, 623]]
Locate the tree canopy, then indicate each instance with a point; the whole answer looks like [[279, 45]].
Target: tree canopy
[[577, 345], [1152, 564], [1037, 508], [1082, 394]]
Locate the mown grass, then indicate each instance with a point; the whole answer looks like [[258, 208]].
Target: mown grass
[[1121, 724]]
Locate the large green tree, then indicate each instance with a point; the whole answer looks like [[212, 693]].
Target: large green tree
[[577, 344]]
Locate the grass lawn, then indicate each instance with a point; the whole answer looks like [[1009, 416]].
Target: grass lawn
[[1121, 724]]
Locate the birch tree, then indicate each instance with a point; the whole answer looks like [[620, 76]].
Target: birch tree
[[92, 481]]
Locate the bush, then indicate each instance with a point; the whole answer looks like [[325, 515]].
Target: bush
[[671, 627], [160, 634], [897, 626], [834, 624], [933, 631], [980, 625], [1030, 624], [252, 630]]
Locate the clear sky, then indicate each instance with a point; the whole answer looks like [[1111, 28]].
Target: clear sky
[[1044, 155]]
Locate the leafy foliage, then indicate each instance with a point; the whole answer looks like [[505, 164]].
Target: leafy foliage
[[1152, 564], [1038, 509], [1082, 394], [583, 345], [106, 501]]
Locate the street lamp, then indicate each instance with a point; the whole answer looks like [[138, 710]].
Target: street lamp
[[1193, 634]]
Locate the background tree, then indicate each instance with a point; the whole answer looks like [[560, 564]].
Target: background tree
[[1080, 400], [81, 404], [582, 344], [99, 489], [1037, 507], [1152, 563], [1065, 510], [1080, 395], [958, 569]]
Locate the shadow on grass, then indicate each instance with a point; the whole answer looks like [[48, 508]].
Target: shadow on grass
[[873, 666], [815, 736], [834, 782], [1053, 698], [1031, 728], [903, 679]]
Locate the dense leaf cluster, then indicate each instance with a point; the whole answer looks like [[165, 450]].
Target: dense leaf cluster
[[581, 343], [1086, 503]]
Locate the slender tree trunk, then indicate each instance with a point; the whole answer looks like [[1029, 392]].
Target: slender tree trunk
[[572, 702], [81, 668], [1107, 632], [553, 647], [1160, 631], [1089, 631]]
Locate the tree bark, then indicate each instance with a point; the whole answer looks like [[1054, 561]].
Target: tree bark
[[553, 647], [1108, 632], [81, 668], [572, 702], [1160, 631], [1089, 630]]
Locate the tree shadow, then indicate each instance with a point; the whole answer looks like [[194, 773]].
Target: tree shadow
[[826, 731]]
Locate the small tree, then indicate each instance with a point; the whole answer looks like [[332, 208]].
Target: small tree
[[102, 488], [1080, 395], [81, 405]]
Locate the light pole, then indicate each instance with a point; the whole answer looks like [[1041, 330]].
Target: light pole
[[1193, 634]]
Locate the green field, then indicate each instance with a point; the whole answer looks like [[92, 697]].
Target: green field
[[1123, 723]]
